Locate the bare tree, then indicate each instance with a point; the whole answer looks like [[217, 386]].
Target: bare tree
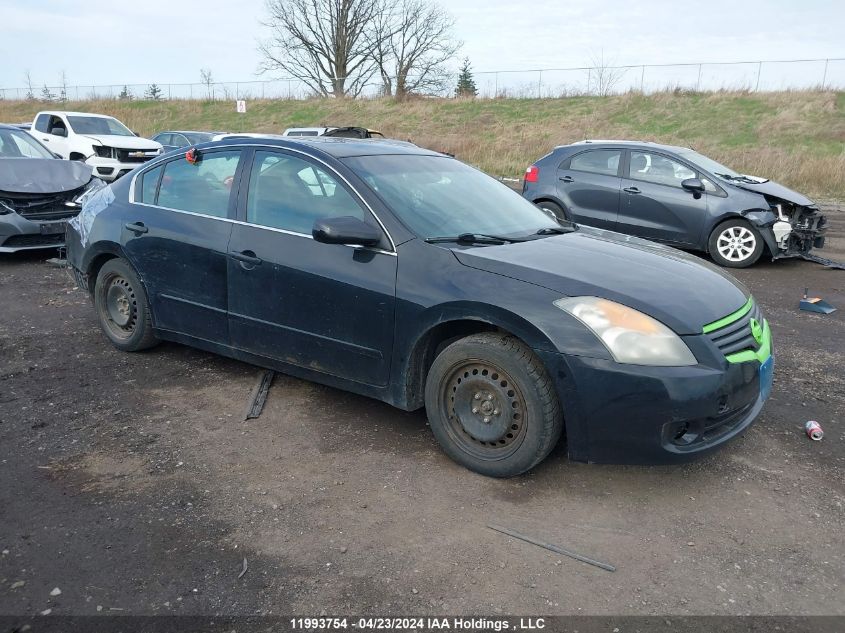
[[208, 80], [30, 93], [324, 43], [603, 77], [412, 41]]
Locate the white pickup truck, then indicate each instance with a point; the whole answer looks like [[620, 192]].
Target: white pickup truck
[[101, 141]]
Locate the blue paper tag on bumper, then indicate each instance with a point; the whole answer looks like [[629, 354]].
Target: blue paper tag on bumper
[[767, 374]]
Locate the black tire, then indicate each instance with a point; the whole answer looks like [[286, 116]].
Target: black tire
[[554, 207], [735, 244], [492, 406], [122, 307]]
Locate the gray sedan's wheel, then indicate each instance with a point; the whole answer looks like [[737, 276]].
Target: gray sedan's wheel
[[492, 406], [735, 244], [553, 209], [122, 307]]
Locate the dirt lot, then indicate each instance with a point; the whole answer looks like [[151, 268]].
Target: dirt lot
[[131, 483]]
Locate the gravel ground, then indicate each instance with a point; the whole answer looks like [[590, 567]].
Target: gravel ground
[[131, 483]]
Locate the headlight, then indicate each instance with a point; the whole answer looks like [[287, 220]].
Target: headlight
[[631, 337], [103, 151]]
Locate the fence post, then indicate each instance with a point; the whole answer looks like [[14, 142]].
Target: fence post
[[759, 71], [496, 89], [262, 89], [540, 86], [642, 79], [698, 83], [824, 76], [237, 90]]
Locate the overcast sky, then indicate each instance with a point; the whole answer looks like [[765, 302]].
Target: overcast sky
[[168, 41]]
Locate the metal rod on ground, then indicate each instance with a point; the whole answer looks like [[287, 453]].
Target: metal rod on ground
[[550, 547], [259, 395]]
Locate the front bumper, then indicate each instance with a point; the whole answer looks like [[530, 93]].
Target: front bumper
[[21, 234], [110, 169], [629, 414]]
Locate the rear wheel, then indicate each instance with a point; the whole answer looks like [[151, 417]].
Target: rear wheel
[[122, 307], [492, 406], [554, 209], [735, 244]]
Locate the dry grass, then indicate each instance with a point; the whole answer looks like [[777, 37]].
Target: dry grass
[[797, 138]]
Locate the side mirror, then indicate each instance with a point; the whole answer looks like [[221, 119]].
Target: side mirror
[[345, 230], [693, 184], [134, 132], [59, 131]]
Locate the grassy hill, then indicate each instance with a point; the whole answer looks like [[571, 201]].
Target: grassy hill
[[797, 138]]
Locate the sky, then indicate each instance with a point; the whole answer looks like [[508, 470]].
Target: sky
[[168, 41]]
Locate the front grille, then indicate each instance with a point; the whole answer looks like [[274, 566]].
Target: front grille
[[124, 155], [736, 336], [43, 207], [55, 239]]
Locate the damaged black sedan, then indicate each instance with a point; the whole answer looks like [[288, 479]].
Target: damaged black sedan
[[38, 192], [676, 196]]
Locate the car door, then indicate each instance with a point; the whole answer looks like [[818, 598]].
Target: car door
[[589, 184], [326, 307], [54, 133], [655, 205], [176, 235]]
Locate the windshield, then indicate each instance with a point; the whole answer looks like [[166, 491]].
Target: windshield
[[708, 164], [98, 125], [437, 196], [198, 137], [15, 144]]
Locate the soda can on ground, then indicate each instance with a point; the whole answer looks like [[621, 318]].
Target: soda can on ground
[[814, 430]]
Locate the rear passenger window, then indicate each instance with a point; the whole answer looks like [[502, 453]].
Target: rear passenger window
[[149, 186], [289, 193], [600, 161], [201, 187], [41, 122]]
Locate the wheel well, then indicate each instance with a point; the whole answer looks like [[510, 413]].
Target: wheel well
[[94, 269], [426, 350]]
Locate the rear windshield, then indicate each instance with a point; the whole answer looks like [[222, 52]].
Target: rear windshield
[[98, 125]]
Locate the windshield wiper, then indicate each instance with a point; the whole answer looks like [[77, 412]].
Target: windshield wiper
[[474, 238], [556, 230]]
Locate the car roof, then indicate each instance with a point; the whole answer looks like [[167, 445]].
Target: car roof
[[650, 144], [333, 146], [188, 132], [70, 113]]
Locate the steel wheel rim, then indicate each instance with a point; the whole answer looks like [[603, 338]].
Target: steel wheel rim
[[119, 306], [736, 243], [484, 409]]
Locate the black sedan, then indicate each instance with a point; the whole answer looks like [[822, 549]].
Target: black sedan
[[177, 139], [676, 196], [402, 274], [38, 192]]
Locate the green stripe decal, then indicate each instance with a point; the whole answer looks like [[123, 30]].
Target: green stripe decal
[[761, 355], [734, 316]]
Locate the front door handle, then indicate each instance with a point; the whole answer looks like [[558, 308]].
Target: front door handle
[[247, 257], [137, 227], [632, 190], [565, 178]]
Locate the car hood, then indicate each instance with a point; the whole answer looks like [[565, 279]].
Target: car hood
[[680, 290], [42, 175], [124, 142], [775, 190]]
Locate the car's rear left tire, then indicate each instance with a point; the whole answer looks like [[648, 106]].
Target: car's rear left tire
[[735, 244], [492, 406], [122, 307]]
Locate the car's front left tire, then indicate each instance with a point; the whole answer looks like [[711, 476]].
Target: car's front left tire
[[492, 406], [122, 307], [735, 244]]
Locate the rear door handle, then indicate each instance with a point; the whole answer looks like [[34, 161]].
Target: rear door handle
[[632, 190], [565, 178], [247, 257], [137, 227]]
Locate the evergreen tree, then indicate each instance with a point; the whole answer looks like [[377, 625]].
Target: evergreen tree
[[466, 83], [126, 94], [153, 93], [46, 95]]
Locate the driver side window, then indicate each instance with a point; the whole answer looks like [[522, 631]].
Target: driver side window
[[286, 192]]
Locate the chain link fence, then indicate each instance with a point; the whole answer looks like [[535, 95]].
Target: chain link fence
[[795, 74]]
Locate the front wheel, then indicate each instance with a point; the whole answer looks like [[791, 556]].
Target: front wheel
[[553, 209], [122, 307], [735, 244], [492, 406]]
